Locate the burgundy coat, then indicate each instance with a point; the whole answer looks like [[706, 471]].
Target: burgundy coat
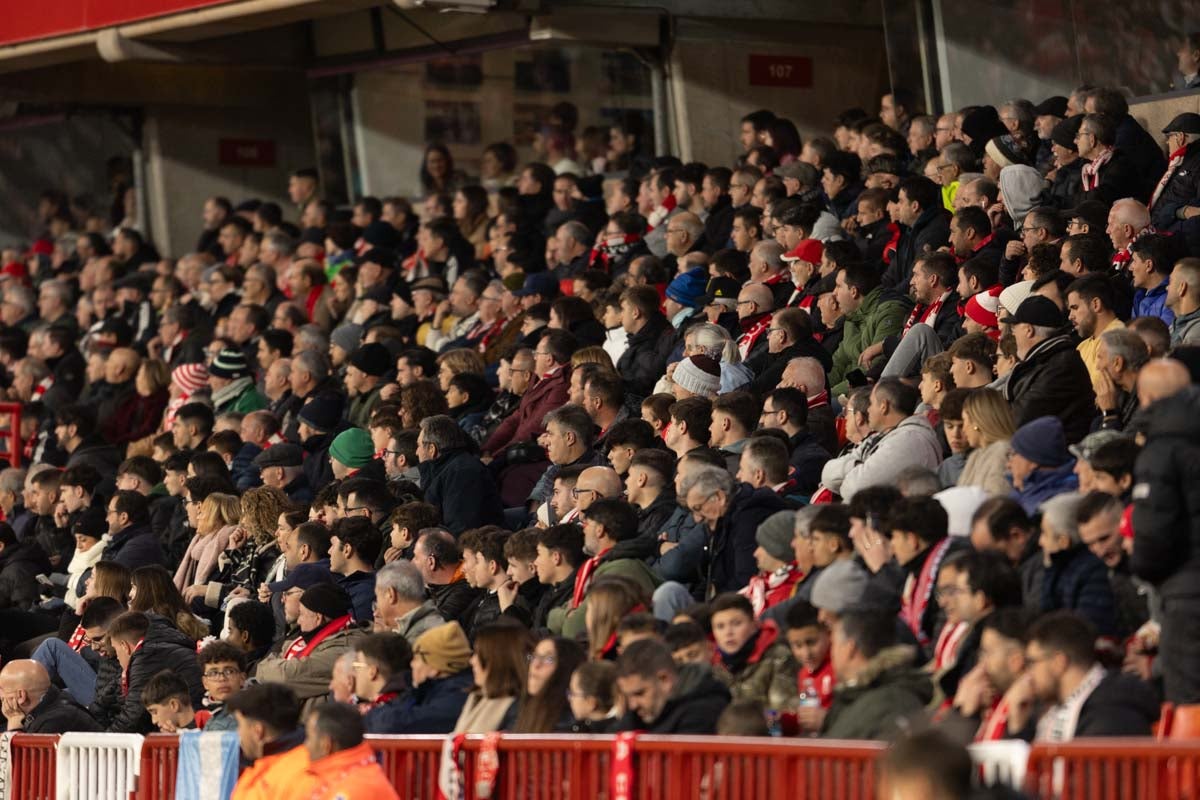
[[528, 421]]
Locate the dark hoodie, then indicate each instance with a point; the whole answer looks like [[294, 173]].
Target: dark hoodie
[[695, 704]]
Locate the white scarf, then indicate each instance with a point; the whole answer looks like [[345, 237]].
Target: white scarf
[[1059, 723], [81, 562]]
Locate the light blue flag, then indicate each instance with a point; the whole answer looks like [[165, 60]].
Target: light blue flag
[[208, 765]]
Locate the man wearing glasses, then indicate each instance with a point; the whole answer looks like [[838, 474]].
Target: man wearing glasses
[[1109, 176]]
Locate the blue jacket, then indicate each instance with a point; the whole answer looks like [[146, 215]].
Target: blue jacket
[[1076, 580], [361, 588], [1153, 303], [1045, 483], [432, 707]]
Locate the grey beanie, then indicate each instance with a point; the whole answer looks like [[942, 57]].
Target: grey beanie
[[840, 586], [347, 336], [700, 375], [775, 535]]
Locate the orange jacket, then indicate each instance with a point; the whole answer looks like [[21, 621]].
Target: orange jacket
[[352, 774], [268, 777]]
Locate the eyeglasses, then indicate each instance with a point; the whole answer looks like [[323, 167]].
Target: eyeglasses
[[946, 592], [359, 664], [228, 672], [576, 493], [695, 509], [541, 353], [491, 297], [544, 660], [746, 303]]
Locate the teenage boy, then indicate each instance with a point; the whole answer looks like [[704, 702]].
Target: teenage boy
[[808, 639], [166, 698], [223, 670], [760, 664]]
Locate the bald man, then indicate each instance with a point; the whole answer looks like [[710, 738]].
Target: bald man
[[32, 705], [754, 306], [1162, 377], [595, 483]]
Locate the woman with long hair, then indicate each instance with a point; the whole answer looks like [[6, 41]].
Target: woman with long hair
[[609, 599], [988, 425], [500, 668], [252, 548], [544, 706], [214, 519], [437, 170], [152, 591], [471, 213]]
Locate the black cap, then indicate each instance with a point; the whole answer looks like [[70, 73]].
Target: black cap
[[1065, 131], [381, 234], [90, 522], [327, 599], [383, 256], [322, 413], [379, 293], [372, 358], [1038, 310], [1187, 122], [1051, 107], [1093, 212], [284, 454], [720, 287]]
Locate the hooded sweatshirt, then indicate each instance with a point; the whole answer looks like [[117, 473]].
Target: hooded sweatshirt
[[1020, 186]]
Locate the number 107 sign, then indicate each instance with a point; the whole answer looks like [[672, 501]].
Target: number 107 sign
[[772, 70]]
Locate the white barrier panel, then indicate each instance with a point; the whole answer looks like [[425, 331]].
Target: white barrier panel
[[97, 766], [1001, 762]]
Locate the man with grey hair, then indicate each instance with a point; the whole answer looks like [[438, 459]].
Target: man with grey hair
[[1119, 358], [12, 499], [1075, 580], [683, 233], [27, 376], [18, 308], [308, 377], [277, 250], [55, 304], [401, 605], [572, 244], [310, 338], [449, 466]]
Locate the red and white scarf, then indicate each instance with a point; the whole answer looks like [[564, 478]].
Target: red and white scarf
[[917, 592], [42, 387], [610, 247], [301, 648], [748, 339], [584, 579], [661, 213], [945, 652], [927, 313], [995, 723], [818, 400], [1091, 170], [1172, 165]]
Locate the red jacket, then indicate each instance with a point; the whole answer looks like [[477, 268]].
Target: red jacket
[[528, 421]]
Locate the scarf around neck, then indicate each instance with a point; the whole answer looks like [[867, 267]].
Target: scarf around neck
[[229, 393]]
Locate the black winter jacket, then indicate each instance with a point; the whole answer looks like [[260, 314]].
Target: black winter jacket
[[1166, 496], [163, 648], [1052, 381], [645, 358], [444, 479], [20, 563], [928, 233], [1183, 189], [693, 707], [58, 713], [135, 547], [731, 562]]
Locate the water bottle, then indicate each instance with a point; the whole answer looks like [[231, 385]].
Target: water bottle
[[809, 697], [773, 725]]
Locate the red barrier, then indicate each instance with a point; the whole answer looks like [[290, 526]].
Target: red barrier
[[31, 769], [1115, 769], [160, 760], [410, 762]]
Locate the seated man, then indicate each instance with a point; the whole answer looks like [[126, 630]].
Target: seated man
[[1086, 699], [1075, 579], [326, 631], [880, 688], [146, 646], [33, 705], [663, 697], [380, 669], [441, 679]]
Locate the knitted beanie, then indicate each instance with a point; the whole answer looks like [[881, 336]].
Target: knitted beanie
[[700, 375]]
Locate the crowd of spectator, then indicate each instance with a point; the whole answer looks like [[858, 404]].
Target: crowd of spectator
[[855, 435]]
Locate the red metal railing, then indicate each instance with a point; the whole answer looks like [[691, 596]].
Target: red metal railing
[[31, 769], [687, 768]]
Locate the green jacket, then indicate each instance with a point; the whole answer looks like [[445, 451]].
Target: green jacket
[[575, 626], [249, 399], [877, 318], [769, 675], [882, 700]]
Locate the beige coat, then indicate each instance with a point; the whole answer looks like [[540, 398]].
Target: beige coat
[[987, 468], [309, 677]]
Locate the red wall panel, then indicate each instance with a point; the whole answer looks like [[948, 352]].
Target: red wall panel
[[25, 21]]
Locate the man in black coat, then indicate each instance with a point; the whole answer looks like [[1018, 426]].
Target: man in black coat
[[663, 697], [920, 208], [1111, 175], [20, 563], [448, 468], [145, 645], [1180, 185], [651, 338], [1166, 524], [1050, 379], [439, 560], [33, 705], [133, 543], [1084, 700]]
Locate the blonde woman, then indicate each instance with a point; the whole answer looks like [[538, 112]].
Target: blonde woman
[[214, 519], [454, 362], [593, 355], [988, 424]]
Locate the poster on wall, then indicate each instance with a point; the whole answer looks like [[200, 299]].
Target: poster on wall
[[455, 72], [544, 71], [528, 118], [452, 122]]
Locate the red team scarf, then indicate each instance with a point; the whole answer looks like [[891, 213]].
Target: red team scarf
[[302, 648]]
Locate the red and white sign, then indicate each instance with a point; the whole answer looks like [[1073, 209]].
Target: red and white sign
[[246, 152], [772, 70]]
